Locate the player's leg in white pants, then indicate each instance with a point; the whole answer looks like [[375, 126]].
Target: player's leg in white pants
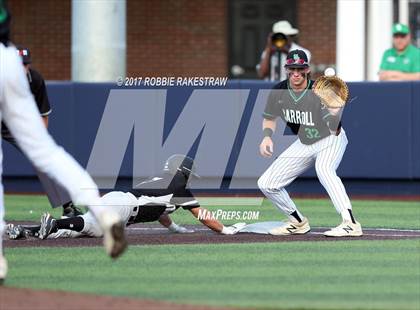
[[66, 233], [288, 166], [119, 202], [2, 223], [3, 262], [328, 159], [91, 228]]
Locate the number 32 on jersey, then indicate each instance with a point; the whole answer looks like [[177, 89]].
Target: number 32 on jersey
[[312, 133]]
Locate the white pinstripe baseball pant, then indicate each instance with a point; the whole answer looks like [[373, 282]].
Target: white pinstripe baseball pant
[[326, 154]]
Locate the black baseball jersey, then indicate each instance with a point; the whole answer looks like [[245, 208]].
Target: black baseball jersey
[[302, 111], [167, 185], [39, 91]]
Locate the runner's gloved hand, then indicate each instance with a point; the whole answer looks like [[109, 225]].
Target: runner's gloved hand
[[234, 229]]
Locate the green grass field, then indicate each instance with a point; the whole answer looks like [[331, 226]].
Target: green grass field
[[302, 275]]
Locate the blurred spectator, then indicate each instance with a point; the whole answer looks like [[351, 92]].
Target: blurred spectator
[[279, 43], [402, 61]]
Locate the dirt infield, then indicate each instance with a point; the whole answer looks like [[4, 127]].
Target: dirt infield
[[23, 299], [154, 234]]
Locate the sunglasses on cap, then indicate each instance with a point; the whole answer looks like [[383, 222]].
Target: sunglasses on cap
[[298, 61], [399, 35], [22, 52]]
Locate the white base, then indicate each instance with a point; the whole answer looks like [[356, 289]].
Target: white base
[[261, 227]]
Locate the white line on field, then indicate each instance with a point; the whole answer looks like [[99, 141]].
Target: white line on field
[[313, 233], [383, 229], [160, 228], [203, 229], [375, 235], [395, 229]]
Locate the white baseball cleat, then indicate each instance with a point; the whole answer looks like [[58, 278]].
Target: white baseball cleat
[[345, 229], [292, 228], [3, 269], [113, 228]]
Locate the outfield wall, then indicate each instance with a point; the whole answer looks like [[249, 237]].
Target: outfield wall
[[381, 123]]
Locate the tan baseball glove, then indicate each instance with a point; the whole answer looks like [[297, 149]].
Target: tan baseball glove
[[332, 91]]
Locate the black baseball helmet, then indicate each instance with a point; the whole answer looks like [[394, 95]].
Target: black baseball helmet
[[297, 59], [4, 23], [179, 162]]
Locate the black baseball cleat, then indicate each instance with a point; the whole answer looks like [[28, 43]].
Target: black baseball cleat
[[48, 226], [70, 210], [15, 232]]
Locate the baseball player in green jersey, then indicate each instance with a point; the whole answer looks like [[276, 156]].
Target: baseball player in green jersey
[[321, 142]]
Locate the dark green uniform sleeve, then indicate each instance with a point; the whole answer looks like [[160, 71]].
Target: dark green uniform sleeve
[[273, 107], [271, 111]]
